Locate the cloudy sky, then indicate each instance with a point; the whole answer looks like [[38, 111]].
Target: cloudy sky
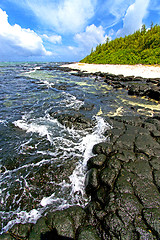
[[66, 30]]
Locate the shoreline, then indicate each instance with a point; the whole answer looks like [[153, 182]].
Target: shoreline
[[144, 71], [122, 179]]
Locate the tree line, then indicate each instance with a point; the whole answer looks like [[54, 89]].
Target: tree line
[[141, 47]]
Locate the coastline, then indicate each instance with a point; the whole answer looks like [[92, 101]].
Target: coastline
[[144, 71], [122, 178]]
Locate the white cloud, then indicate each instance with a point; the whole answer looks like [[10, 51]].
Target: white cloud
[[87, 40], [17, 41], [91, 37], [53, 39], [118, 7], [71, 48], [133, 19], [67, 16]]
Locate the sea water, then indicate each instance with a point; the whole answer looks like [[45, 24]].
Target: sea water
[[43, 163]]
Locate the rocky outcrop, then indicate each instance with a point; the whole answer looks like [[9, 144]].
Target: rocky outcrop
[[60, 225], [125, 188], [137, 86], [75, 120], [123, 180]]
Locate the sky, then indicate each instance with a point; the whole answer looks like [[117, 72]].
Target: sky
[[67, 30]]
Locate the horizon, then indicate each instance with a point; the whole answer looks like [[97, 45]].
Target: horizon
[[66, 31]]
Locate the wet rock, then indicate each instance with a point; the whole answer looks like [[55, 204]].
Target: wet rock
[[117, 229], [152, 217], [146, 144], [114, 134], [66, 222], [113, 162], [88, 233], [21, 231], [62, 222], [91, 182], [128, 120], [146, 191], [108, 177], [149, 88], [102, 195], [87, 107], [141, 168], [126, 142], [60, 86], [38, 229], [143, 232], [138, 89], [152, 128], [125, 202], [154, 93], [80, 74], [123, 184], [125, 155], [123, 181], [96, 161], [156, 175], [77, 214], [77, 121], [155, 121], [102, 148], [5, 236], [155, 163]]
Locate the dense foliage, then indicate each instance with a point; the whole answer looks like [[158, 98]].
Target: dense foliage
[[142, 47]]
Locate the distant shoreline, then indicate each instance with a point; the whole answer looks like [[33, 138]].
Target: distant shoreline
[[144, 71]]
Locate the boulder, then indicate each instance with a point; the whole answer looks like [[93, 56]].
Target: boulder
[[75, 120], [21, 231], [96, 161], [39, 229], [91, 181], [88, 233]]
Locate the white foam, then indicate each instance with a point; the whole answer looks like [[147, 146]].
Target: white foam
[[33, 127], [32, 71], [78, 176], [3, 122], [23, 217], [47, 200], [71, 101]]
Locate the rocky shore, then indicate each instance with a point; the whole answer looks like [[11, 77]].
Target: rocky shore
[[123, 178], [135, 84]]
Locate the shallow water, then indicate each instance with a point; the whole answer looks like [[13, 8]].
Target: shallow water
[[43, 164]]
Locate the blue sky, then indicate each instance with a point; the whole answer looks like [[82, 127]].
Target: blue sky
[[66, 30]]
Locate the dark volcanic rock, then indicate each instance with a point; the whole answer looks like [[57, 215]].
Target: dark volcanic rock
[[38, 229], [75, 120], [21, 231], [96, 161], [149, 90], [91, 182], [152, 218], [6, 236], [88, 233], [129, 181], [86, 107]]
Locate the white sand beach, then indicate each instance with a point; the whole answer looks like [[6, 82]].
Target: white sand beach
[[144, 71]]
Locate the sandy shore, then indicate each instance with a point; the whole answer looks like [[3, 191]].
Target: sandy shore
[[126, 70]]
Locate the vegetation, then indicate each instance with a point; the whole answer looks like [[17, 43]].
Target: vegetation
[[142, 47]]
